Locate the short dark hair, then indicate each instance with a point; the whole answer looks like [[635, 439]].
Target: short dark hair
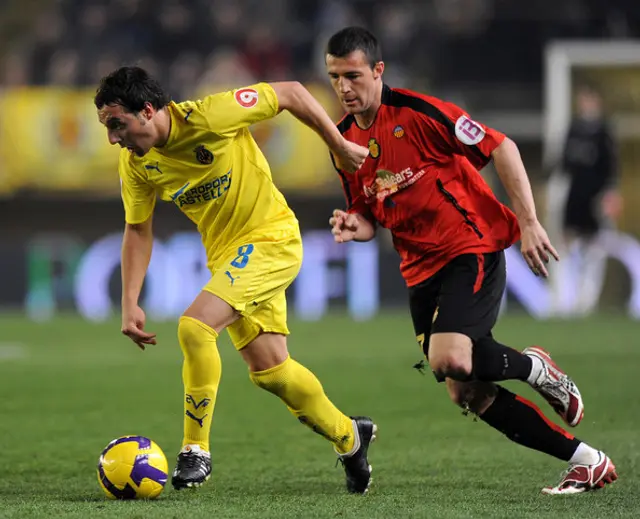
[[351, 39], [131, 88]]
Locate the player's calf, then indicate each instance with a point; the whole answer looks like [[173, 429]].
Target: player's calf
[[495, 362], [474, 396]]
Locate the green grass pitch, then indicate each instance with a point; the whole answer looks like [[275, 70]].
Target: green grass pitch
[[68, 387]]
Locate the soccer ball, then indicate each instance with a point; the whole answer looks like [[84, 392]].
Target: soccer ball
[[132, 467]]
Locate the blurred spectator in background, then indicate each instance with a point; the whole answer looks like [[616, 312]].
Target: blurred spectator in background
[[590, 161], [265, 54], [63, 68], [15, 69], [224, 69]]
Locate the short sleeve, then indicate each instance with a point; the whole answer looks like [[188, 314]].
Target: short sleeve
[[453, 131], [138, 197], [228, 112]]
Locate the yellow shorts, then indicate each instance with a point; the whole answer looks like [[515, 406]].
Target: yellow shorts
[[252, 277]]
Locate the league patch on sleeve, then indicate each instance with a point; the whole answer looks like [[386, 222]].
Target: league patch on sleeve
[[468, 131], [246, 97]]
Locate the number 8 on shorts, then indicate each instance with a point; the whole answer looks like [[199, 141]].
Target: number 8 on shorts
[[241, 260]]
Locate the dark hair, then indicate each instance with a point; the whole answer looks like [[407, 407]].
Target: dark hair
[[131, 88], [351, 39]]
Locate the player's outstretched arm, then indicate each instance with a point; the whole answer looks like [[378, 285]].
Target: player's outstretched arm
[[536, 246], [295, 98], [137, 244], [351, 227]]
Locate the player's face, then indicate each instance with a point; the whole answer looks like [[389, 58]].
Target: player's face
[[589, 105], [134, 131], [354, 81]]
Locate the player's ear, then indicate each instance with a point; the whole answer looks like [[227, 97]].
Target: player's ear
[[148, 111], [378, 69]]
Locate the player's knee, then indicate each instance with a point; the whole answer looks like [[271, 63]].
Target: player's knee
[[450, 356], [266, 351], [454, 368], [190, 333], [211, 310]]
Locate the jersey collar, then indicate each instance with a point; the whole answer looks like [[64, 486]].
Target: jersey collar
[[173, 130], [386, 94]]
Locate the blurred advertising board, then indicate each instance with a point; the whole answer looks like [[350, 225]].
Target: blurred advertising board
[[51, 140], [65, 256]]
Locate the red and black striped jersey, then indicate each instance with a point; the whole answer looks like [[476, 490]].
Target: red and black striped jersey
[[422, 182]]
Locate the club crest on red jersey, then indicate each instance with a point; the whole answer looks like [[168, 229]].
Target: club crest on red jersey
[[398, 132], [374, 149]]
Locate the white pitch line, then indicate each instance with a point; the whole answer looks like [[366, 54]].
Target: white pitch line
[[12, 351]]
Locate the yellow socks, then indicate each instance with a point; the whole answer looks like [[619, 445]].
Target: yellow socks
[[201, 376], [297, 387], [294, 384]]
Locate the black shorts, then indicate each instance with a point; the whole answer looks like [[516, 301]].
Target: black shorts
[[463, 297], [580, 215]]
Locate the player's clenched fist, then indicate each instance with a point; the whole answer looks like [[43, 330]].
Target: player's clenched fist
[[133, 320], [350, 156], [344, 226]]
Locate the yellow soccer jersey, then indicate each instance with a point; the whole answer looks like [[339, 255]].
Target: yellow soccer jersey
[[211, 169]]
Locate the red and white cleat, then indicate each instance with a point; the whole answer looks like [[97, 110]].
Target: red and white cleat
[[583, 478], [557, 388]]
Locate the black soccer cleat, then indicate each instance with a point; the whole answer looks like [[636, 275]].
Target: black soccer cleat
[[356, 465], [193, 468]]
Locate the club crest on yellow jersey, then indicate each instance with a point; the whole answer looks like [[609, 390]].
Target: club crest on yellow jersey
[[203, 155]]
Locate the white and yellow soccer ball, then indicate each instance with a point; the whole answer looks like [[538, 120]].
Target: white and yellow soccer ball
[[132, 467]]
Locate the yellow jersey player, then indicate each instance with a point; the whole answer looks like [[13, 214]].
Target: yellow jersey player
[[201, 156]]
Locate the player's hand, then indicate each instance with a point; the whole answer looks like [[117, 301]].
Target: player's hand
[[133, 320], [350, 156], [344, 226], [536, 248]]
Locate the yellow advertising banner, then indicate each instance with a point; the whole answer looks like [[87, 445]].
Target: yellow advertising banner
[[298, 157], [51, 140]]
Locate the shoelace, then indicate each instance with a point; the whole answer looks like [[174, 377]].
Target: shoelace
[[566, 472], [568, 383], [191, 460], [565, 383], [563, 475], [569, 469]]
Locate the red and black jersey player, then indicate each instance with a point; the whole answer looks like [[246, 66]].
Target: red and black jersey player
[[422, 182]]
